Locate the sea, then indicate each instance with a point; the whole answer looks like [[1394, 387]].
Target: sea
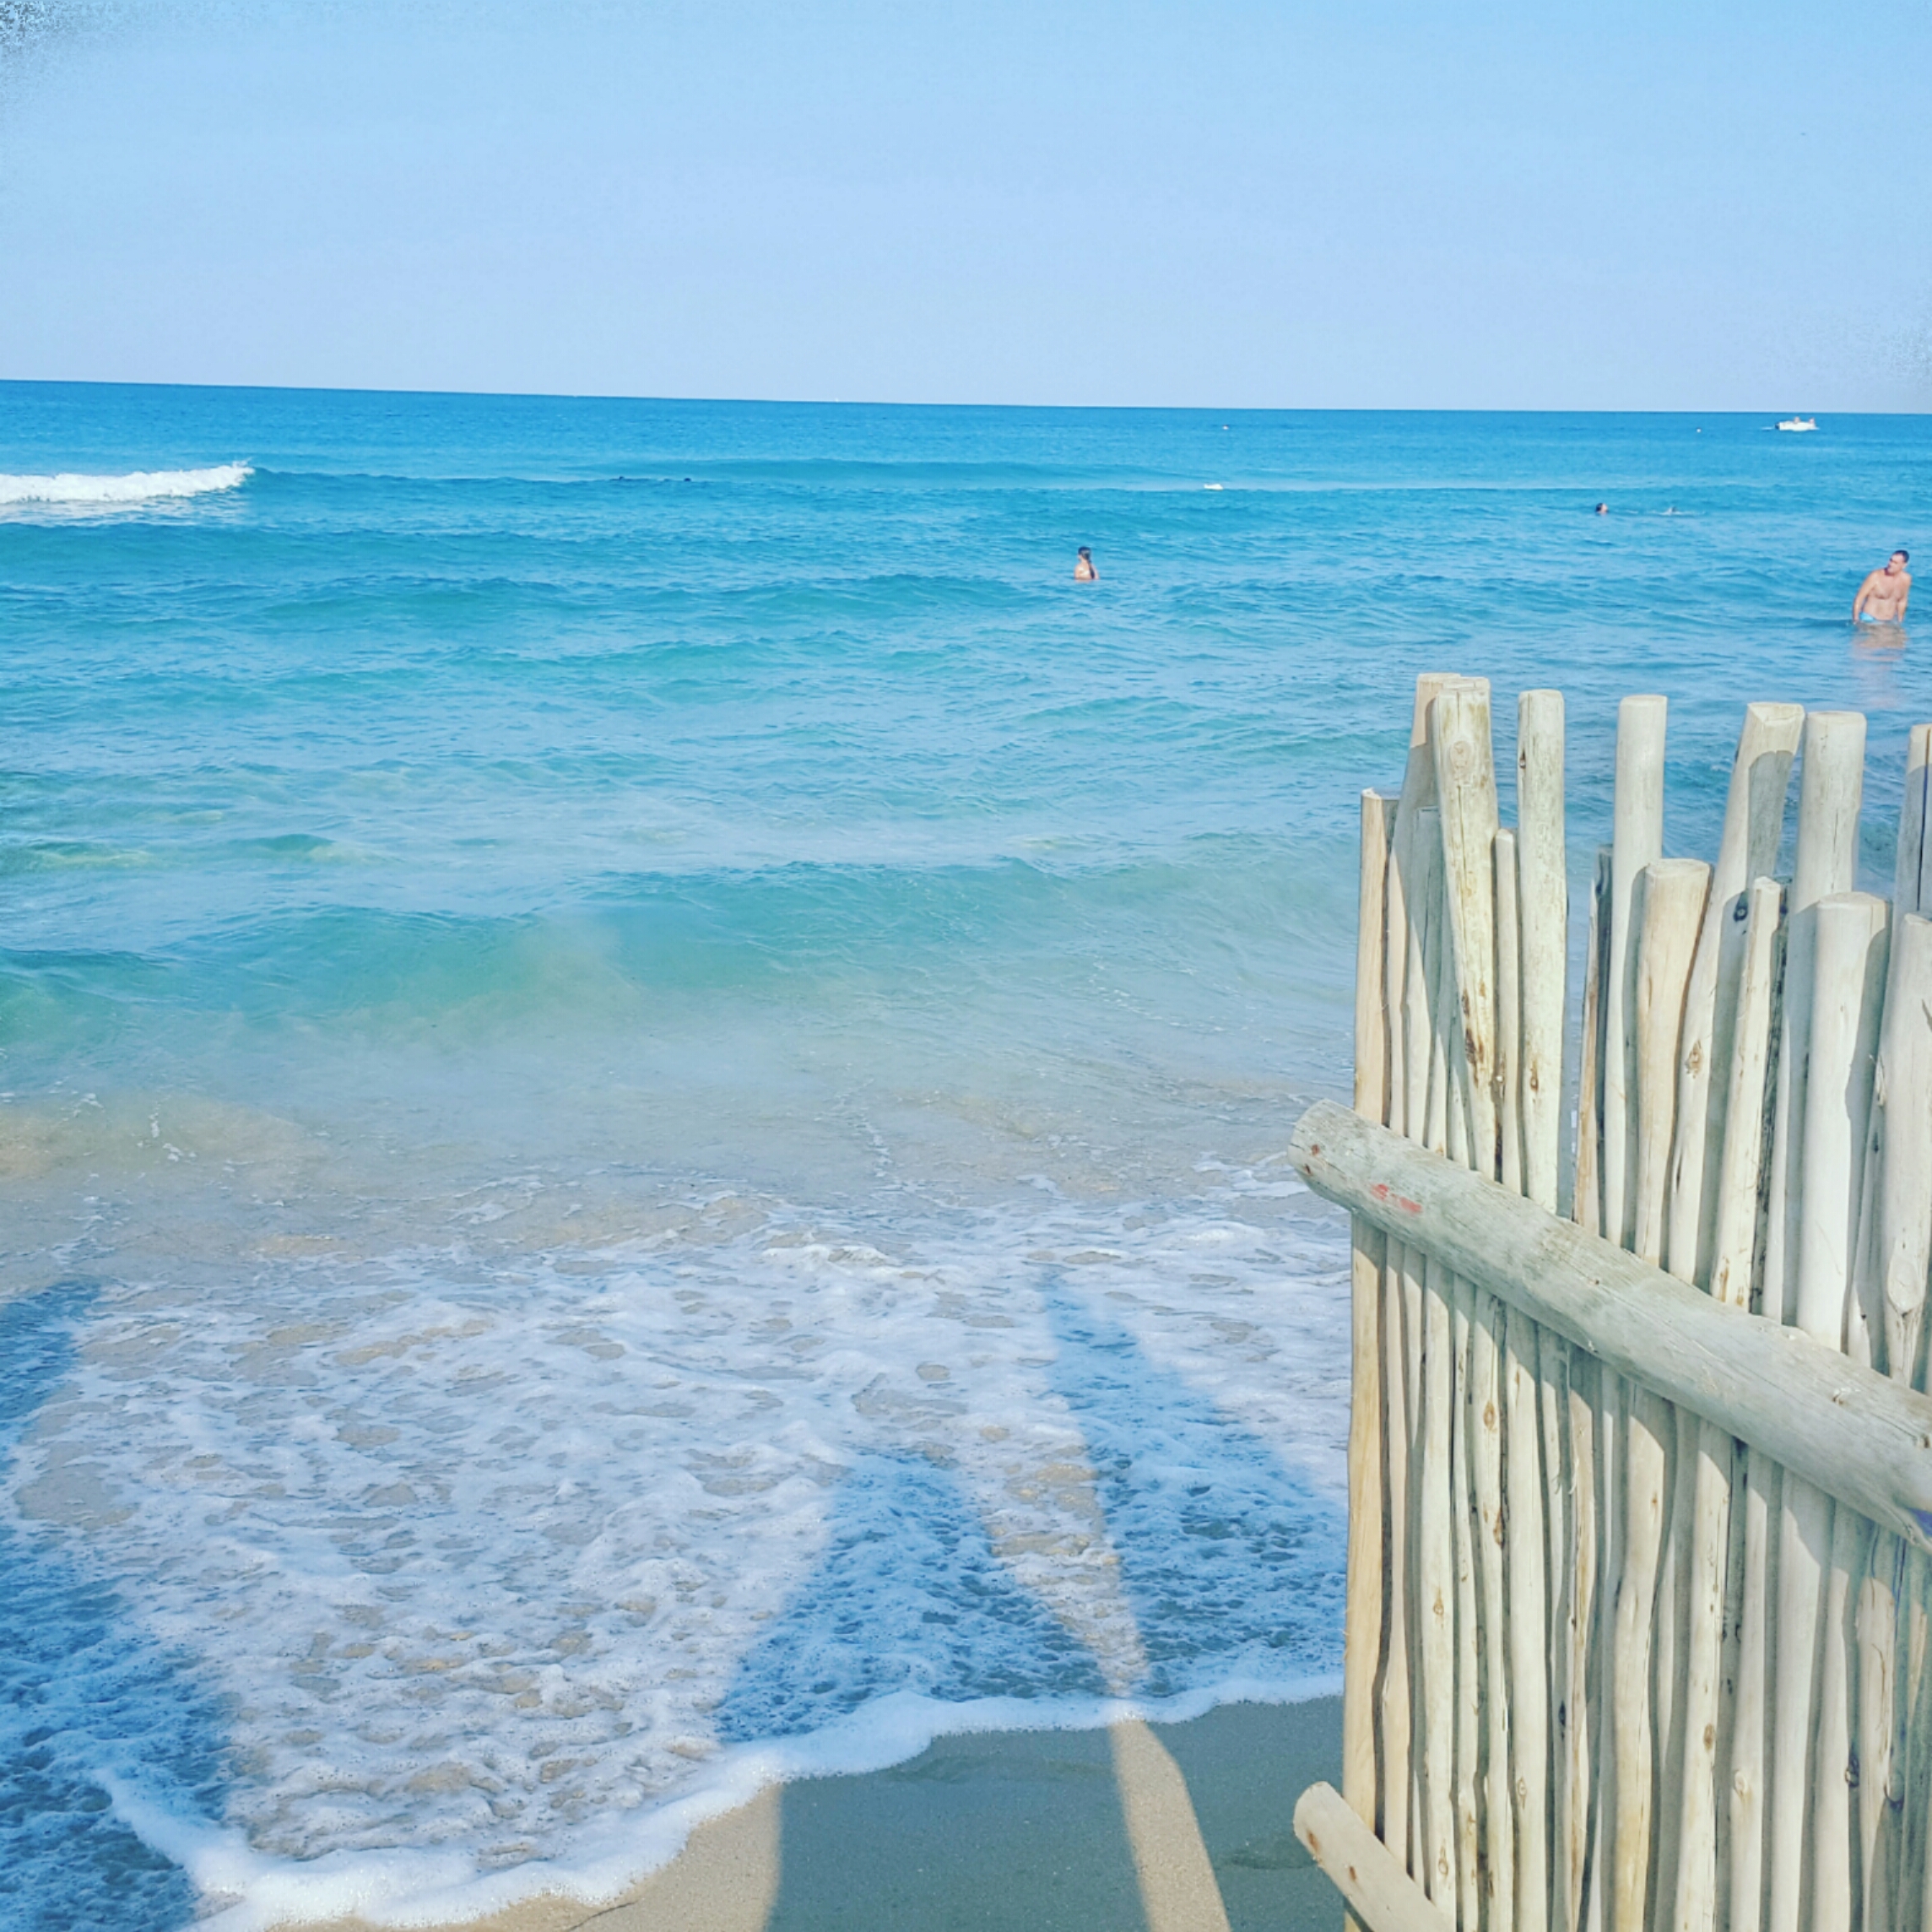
[[645, 1065]]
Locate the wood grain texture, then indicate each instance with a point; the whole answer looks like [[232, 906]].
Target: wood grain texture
[[1857, 1436], [1378, 1891]]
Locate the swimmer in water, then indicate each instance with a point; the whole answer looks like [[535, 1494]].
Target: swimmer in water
[[1884, 594], [1603, 510], [1084, 571]]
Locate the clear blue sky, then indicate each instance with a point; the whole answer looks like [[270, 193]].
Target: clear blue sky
[[1223, 202]]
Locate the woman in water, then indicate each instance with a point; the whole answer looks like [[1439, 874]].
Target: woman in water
[[1084, 571]]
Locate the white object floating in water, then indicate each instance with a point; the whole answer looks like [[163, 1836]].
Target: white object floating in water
[[1213, 486], [1799, 423]]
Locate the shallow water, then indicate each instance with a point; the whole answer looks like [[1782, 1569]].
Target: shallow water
[[645, 1065]]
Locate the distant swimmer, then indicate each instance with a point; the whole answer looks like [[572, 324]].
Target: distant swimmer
[[1603, 510], [1883, 596], [1084, 571]]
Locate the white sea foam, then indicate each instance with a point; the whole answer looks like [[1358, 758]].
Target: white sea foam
[[139, 486], [500, 1581], [248, 1892]]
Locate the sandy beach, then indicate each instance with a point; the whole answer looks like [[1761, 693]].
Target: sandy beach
[[1167, 1827]]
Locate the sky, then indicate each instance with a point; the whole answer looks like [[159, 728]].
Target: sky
[[1225, 203]]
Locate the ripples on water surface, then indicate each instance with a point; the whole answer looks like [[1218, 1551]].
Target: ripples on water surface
[[644, 1064]]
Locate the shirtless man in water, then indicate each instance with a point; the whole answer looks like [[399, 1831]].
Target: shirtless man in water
[[1881, 597]]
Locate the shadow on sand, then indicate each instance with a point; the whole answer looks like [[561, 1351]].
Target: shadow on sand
[[1232, 1564]]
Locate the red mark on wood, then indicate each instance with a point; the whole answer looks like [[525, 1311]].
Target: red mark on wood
[[1383, 1192]]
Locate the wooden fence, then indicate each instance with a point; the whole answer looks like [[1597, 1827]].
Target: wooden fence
[[1639, 1588]]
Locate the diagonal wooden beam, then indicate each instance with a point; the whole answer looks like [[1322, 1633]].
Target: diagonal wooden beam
[[1361, 1868], [1859, 1436]]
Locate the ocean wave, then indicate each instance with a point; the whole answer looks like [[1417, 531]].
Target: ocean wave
[[138, 486]]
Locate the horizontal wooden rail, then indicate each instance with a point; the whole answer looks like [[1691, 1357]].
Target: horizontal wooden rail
[[1857, 1434]]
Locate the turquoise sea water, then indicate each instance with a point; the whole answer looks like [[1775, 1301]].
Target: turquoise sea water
[[645, 1060]]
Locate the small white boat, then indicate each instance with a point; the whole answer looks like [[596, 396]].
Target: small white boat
[[1799, 423]]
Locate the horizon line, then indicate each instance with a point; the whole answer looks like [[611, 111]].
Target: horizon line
[[880, 403]]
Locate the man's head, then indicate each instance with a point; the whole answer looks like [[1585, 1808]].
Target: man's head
[[1898, 561]]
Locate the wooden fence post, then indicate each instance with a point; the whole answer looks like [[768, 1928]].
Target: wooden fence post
[[1367, 1530]]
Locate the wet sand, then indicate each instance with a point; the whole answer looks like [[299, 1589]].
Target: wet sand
[[1145, 1828]]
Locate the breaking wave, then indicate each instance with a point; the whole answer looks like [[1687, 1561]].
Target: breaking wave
[[140, 486]]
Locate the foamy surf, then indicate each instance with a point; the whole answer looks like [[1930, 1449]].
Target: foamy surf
[[137, 487], [485, 1583]]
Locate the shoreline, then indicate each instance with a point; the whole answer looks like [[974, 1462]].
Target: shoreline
[[1173, 1826]]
